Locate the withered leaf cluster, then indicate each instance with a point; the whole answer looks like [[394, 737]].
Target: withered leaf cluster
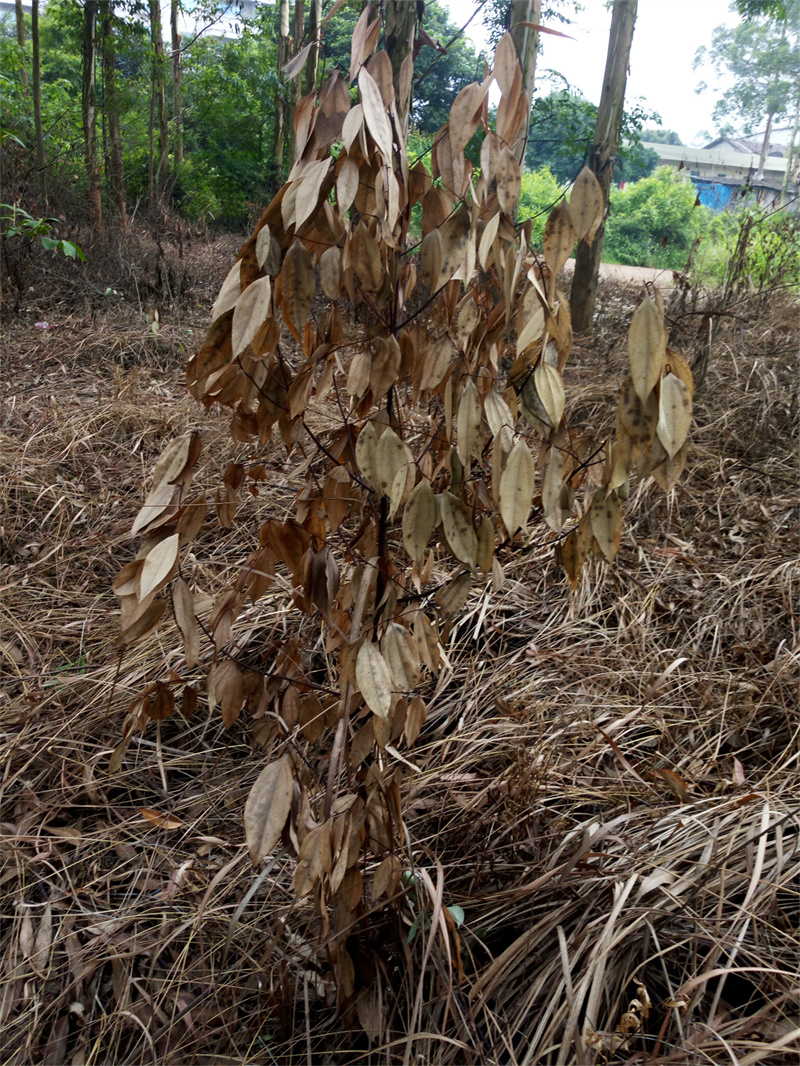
[[448, 438]]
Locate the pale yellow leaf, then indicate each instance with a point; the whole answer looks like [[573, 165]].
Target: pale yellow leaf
[[586, 205], [458, 529], [606, 519], [390, 460], [516, 488], [550, 389], [158, 565], [674, 414], [497, 412], [468, 422], [375, 114], [419, 520], [646, 348], [374, 679], [347, 184], [229, 293], [250, 313], [267, 808], [400, 652], [366, 455]]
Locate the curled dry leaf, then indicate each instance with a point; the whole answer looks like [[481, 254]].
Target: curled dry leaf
[[267, 808]]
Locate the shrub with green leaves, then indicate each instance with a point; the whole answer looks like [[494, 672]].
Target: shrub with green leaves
[[539, 193], [655, 221]]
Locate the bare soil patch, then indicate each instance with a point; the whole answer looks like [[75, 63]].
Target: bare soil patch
[[607, 785]]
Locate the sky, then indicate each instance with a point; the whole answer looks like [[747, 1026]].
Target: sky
[[666, 37]]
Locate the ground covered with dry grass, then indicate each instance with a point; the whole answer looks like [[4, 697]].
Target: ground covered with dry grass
[[607, 784]]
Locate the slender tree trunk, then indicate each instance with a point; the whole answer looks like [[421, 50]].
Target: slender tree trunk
[[299, 33], [312, 63], [158, 108], [20, 15], [789, 156], [280, 99], [177, 88], [603, 157], [401, 25], [37, 101], [116, 171], [89, 114], [527, 42], [765, 147]]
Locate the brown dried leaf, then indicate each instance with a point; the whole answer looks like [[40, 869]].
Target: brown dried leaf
[[183, 604], [374, 679], [158, 566], [297, 288], [375, 114], [559, 238], [267, 808], [250, 314]]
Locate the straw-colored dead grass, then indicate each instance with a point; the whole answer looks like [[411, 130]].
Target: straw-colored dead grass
[[607, 784]]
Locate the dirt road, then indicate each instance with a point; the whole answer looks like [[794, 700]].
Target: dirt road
[[632, 274]]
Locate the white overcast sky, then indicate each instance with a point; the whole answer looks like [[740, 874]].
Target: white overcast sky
[[667, 35]]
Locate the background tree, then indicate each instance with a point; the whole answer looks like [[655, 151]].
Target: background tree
[[37, 101], [89, 114], [562, 131], [115, 167], [603, 156], [177, 75], [658, 135], [762, 55], [157, 174]]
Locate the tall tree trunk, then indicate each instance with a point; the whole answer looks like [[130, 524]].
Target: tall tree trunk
[[158, 107], [602, 158], [280, 98], [401, 24], [177, 88], [527, 42], [115, 168], [312, 63], [37, 101], [89, 115], [299, 33], [20, 15], [765, 147], [789, 156]]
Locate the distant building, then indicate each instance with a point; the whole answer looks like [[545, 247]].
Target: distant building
[[720, 173]]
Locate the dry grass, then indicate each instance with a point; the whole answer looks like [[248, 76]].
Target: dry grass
[[608, 781]]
